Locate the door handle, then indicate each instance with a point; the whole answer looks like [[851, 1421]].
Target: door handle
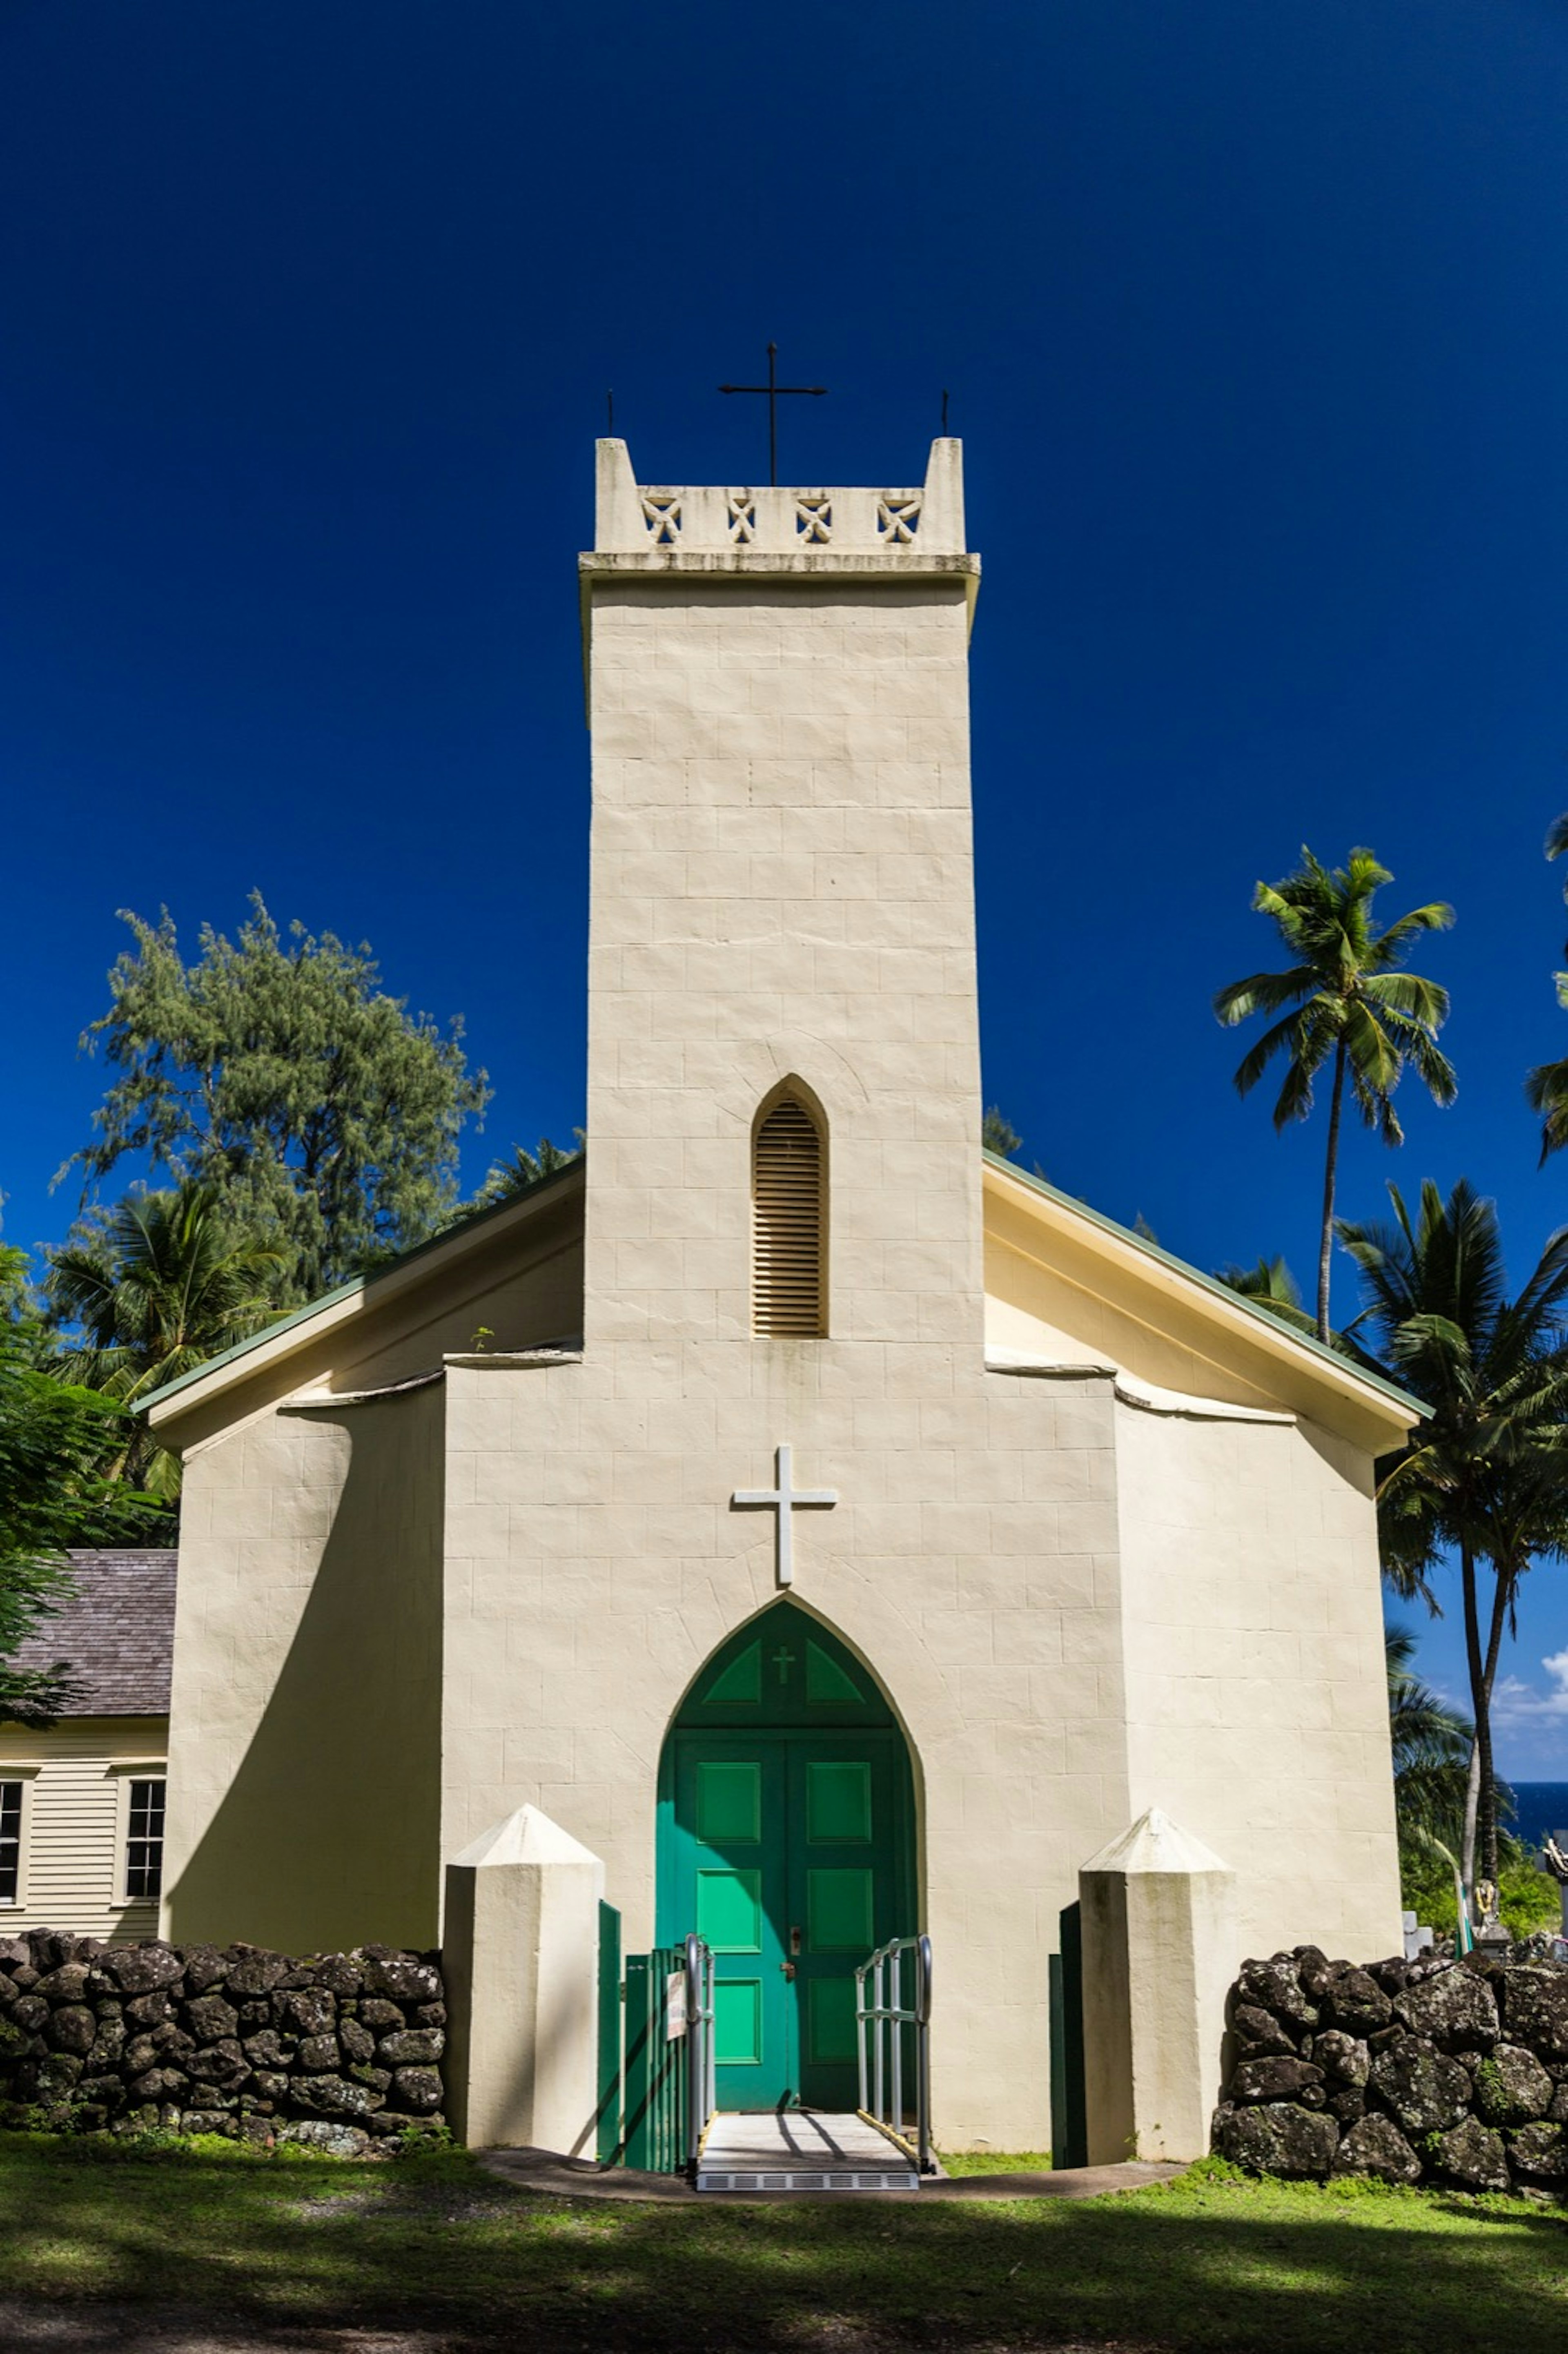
[[787, 1968]]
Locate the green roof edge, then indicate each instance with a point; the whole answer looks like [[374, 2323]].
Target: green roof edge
[[1308, 1341], [463, 1223], [472, 1218]]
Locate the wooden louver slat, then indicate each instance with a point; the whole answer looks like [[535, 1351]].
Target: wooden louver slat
[[787, 1224]]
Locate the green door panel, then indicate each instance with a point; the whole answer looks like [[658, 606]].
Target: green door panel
[[838, 1800], [841, 1911], [729, 1910], [830, 2021], [738, 2024], [729, 1801], [786, 1836], [741, 1681], [826, 1681]]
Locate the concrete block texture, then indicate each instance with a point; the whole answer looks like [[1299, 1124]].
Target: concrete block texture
[[817, 921], [521, 1958]]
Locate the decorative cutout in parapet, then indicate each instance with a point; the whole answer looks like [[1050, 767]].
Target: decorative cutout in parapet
[[814, 519], [742, 521], [663, 519], [897, 519]]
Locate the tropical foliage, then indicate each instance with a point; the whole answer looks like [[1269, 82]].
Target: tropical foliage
[[508, 1179], [1343, 1001], [1527, 1900], [55, 1438], [1270, 1285], [149, 1293], [1484, 1474], [1546, 1086], [1432, 1745], [279, 1073]]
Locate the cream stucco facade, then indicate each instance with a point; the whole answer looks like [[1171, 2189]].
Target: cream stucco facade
[[1104, 1534]]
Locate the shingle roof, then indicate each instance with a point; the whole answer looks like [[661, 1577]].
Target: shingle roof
[[117, 1635]]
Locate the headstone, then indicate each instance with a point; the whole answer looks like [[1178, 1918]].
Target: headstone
[[1418, 1938]]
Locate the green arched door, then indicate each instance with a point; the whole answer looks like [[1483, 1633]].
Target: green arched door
[[786, 1839]]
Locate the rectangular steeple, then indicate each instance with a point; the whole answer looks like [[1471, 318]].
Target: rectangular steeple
[[781, 890]]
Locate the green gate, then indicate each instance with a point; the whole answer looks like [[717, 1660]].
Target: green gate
[[655, 2128]]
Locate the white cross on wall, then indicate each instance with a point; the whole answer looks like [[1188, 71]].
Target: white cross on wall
[[785, 1500]]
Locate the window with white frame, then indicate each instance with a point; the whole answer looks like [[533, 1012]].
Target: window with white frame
[[144, 1838], [10, 1842]]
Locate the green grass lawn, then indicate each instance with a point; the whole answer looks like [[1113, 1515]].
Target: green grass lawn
[[1208, 2262], [996, 2162]]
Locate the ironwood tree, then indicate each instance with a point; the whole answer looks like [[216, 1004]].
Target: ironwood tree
[[278, 1071]]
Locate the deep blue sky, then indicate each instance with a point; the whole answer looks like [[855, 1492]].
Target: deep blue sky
[[1252, 320]]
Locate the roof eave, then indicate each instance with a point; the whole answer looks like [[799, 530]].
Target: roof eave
[[1227, 1308], [361, 1292]]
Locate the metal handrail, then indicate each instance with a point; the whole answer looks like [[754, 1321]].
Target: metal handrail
[[879, 2024], [700, 2084]]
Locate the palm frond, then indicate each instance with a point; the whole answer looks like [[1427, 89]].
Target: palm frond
[[1406, 931], [1284, 1035], [1264, 992], [1546, 1092]]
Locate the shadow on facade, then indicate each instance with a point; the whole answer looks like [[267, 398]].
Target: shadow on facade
[[328, 1835]]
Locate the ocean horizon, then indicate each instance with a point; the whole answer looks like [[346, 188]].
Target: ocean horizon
[[1543, 1809]]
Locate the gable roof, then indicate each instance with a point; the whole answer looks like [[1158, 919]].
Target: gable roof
[[1225, 1308], [380, 1284], [116, 1634]]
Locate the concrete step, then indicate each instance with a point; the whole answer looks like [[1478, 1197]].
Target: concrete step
[[817, 2179], [801, 2150]]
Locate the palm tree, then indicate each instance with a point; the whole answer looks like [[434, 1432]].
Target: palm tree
[[1343, 997], [1487, 1475], [1270, 1285], [509, 1178], [1546, 1086], [1432, 1746], [166, 1284]]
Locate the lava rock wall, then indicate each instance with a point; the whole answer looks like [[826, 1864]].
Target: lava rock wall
[[342, 2051], [1431, 2071]]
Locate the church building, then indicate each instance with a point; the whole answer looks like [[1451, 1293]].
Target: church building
[[835, 1531]]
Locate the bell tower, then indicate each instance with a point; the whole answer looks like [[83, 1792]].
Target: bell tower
[[781, 904]]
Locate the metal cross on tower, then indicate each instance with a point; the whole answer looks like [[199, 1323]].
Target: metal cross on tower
[[785, 1500], [775, 392]]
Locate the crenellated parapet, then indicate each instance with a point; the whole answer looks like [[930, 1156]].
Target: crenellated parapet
[[744, 526]]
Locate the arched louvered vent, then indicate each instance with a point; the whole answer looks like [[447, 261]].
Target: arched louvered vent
[[787, 1289]]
